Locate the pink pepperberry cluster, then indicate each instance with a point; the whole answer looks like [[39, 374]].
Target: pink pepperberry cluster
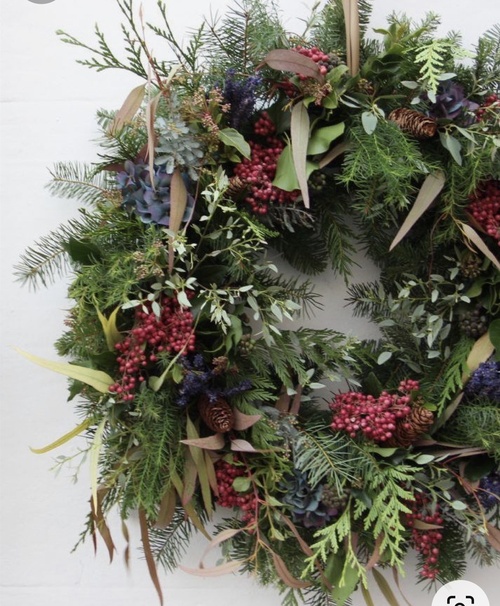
[[258, 171], [426, 541], [485, 208], [171, 331], [287, 86], [360, 414], [489, 105], [228, 497], [317, 55]]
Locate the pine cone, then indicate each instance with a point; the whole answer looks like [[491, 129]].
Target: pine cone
[[236, 186], [217, 415], [413, 122], [409, 429]]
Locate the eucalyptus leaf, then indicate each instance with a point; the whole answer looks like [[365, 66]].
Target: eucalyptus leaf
[[369, 121], [97, 379], [299, 131], [384, 357]]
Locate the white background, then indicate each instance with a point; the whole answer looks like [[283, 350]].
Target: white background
[[48, 103]]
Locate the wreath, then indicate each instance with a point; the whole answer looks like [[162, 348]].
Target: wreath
[[327, 456]]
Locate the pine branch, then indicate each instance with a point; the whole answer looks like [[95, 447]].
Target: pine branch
[[243, 37], [170, 544], [323, 455], [81, 182], [47, 260], [451, 381], [328, 32]]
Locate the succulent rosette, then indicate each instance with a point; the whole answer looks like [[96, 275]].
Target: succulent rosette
[[198, 384]]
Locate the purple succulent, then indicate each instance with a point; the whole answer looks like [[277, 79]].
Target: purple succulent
[[306, 501], [451, 103], [148, 198]]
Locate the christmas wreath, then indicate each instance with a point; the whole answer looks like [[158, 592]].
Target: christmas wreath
[[196, 383]]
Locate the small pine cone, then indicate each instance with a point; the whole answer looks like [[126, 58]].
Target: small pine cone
[[413, 122], [217, 415], [236, 186], [409, 429]]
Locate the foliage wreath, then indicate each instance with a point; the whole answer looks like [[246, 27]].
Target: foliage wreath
[[192, 390]]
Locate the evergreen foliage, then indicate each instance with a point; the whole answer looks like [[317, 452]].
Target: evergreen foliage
[[196, 384]]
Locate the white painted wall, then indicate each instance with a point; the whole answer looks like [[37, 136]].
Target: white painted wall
[[47, 114]]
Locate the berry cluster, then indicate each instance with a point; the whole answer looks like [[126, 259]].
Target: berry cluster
[[426, 541], [375, 418], [324, 61], [228, 497], [485, 208], [171, 332], [491, 103], [474, 322], [317, 55], [258, 171]]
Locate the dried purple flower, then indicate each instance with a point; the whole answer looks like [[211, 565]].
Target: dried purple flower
[[241, 96], [485, 381]]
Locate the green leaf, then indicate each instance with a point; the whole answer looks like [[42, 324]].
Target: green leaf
[[322, 138], [383, 452], [299, 131], [383, 357], [459, 505], [286, 178], [231, 137], [452, 145], [95, 378], [423, 459], [429, 191], [241, 484], [83, 252], [182, 298], [201, 466], [109, 328], [63, 439], [384, 587], [494, 334], [478, 467], [369, 121], [350, 579]]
